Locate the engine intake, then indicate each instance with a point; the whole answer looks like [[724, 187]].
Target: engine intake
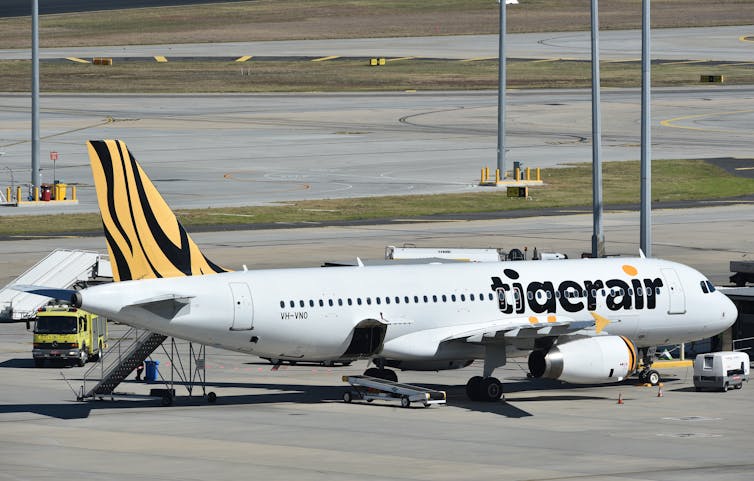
[[586, 361]]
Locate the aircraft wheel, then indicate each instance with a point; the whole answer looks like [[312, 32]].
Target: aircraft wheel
[[653, 377], [725, 387], [739, 386], [372, 372], [643, 376], [474, 388], [167, 400], [347, 397], [211, 397], [405, 402], [492, 389]]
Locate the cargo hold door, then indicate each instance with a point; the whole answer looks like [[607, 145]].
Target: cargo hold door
[[243, 307]]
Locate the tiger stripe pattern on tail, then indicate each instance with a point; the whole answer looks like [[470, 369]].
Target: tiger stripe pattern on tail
[[144, 238]]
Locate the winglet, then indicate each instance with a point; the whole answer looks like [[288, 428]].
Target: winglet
[[599, 322], [641, 254]]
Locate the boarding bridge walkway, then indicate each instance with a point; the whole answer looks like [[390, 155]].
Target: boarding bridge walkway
[[62, 269], [118, 362]]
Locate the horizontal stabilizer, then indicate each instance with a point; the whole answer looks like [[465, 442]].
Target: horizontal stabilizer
[[68, 295], [167, 306]]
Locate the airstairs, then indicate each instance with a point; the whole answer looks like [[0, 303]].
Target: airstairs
[[63, 269], [118, 362], [187, 363]]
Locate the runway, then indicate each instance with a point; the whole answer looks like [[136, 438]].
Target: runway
[[222, 150], [707, 43], [292, 423]]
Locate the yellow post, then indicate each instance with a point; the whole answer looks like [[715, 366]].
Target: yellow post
[[18, 194], [497, 176], [7, 194], [73, 192], [487, 173], [517, 174], [528, 173], [36, 194], [538, 176]]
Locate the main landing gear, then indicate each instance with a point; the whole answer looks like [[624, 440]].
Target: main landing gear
[[487, 389], [648, 375]]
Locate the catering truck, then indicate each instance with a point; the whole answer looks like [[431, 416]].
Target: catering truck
[[68, 334]]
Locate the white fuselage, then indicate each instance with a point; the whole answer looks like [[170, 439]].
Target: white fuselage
[[311, 313]]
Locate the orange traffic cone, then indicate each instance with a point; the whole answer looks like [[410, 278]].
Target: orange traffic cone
[[620, 398], [659, 391]]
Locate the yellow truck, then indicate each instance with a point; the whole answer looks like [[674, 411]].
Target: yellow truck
[[68, 334]]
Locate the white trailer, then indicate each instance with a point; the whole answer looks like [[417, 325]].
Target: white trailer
[[370, 388], [721, 370]]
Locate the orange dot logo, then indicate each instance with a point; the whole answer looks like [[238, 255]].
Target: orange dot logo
[[630, 270]]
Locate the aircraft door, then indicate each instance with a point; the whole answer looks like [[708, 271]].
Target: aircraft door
[[243, 307], [675, 292]]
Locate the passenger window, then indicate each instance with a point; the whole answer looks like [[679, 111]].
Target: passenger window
[[311, 302], [471, 297], [425, 299], [406, 299], [293, 304], [444, 298], [340, 302], [491, 296], [369, 301], [350, 303], [358, 300], [301, 303], [282, 304], [329, 301], [463, 298], [434, 298], [416, 299], [657, 291], [453, 297], [321, 303]]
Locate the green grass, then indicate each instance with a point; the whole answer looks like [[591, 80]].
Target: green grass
[[343, 75], [315, 19], [566, 187]]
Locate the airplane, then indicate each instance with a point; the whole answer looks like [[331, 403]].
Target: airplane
[[580, 321]]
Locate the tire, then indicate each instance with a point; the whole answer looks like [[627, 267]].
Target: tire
[[405, 402], [739, 386], [473, 388], [372, 372], [167, 400], [725, 387], [653, 377], [211, 397], [643, 376], [347, 397], [82, 359], [492, 389]]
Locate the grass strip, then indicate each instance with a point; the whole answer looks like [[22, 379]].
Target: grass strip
[[566, 187], [346, 75]]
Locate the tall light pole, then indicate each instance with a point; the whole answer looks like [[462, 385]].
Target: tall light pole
[[646, 138], [501, 92], [598, 235], [35, 176]]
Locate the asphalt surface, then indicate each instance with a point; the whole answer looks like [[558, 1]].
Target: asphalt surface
[[224, 150]]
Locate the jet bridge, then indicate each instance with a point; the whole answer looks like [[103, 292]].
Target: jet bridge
[[63, 269]]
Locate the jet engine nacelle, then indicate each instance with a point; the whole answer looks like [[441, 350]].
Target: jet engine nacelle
[[427, 365], [586, 361]]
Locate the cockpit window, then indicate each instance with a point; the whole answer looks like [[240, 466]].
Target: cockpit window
[[705, 289], [710, 286]]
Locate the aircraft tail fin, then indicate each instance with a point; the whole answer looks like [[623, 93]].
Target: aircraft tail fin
[[144, 238]]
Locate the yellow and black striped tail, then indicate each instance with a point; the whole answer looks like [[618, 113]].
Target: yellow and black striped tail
[[144, 238]]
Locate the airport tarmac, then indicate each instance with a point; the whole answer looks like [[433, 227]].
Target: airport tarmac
[[291, 423], [702, 43], [220, 150]]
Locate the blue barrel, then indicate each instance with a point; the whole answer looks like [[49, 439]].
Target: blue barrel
[[151, 370]]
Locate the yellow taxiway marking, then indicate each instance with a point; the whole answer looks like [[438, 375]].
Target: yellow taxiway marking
[[77, 60], [670, 122], [676, 363], [735, 64], [398, 59], [684, 62], [475, 59], [621, 61], [244, 58], [744, 168], [545, 60], [746, 38], [324, 59], [160, 58]]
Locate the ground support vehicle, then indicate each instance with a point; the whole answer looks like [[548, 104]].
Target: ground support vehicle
[[370, 388], [68, 334], [721, 370]]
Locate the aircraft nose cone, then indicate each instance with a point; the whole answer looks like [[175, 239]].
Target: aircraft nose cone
[[729, 314]]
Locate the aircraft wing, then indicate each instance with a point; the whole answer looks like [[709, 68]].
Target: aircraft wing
[[426, 343]]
